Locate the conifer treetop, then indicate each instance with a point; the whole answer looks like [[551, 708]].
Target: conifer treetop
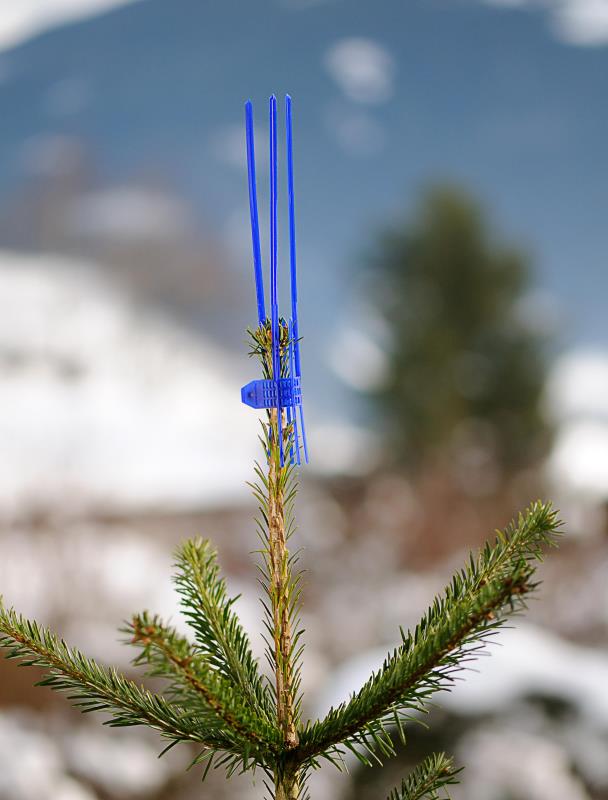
[[215, 694]]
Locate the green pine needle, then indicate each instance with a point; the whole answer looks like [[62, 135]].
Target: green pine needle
[[219, 635], [434, 773], [96, 688], [193, 681]]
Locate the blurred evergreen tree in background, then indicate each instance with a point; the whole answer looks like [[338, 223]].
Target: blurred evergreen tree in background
[[466, 363]]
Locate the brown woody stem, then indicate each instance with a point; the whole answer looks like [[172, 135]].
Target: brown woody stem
[[280, 592], [281, 586]]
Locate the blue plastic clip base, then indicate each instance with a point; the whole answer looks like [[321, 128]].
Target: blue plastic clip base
[[263, 393]]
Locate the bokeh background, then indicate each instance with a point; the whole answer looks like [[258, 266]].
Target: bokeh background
[[452, 187]]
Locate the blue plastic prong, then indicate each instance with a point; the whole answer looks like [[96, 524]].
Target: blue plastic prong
[[253, 213], [274, 303], [292, 231], [292, 259], [282, 389]]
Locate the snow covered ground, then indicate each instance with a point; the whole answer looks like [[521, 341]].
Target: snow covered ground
[[577, 399], [577, 468], [53, 761]]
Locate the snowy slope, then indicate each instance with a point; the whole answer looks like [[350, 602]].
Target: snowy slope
[[577, 400], [105, 404], [27, 18]]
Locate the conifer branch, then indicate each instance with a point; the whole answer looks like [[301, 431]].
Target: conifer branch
[[194, 681], [434, 773], [96, 688], [219, 635], [452, 632]]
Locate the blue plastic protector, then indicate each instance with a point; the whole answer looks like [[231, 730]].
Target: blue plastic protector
[[293, 267], [283, 389]]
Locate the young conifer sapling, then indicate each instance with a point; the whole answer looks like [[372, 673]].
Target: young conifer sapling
[[215, 695]]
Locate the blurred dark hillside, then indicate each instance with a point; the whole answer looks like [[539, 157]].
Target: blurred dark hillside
[[466, 350]]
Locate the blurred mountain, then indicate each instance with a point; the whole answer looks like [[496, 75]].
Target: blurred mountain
[[386, 96]]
